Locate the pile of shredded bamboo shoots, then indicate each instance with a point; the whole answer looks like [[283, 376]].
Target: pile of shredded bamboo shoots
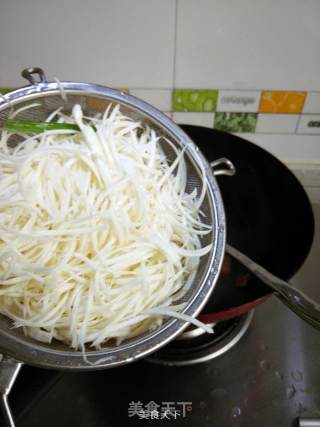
[[98, 237]]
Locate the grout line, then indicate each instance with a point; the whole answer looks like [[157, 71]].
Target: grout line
[[309, 114], [252, 89], [277, 133], [297, 125], [284, 133], [305, 91], [304, 101], [149, 88], [279, 113], [255, 89], [218, 90], [175, 44]]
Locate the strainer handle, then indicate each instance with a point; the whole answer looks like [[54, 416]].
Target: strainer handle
[[31, 73], [9, 370]]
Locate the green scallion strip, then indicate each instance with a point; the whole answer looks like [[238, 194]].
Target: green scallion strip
[[26, 126]]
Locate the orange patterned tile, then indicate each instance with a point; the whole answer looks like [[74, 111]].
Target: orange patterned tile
[[281, 102], [100, 104], [97, 104]]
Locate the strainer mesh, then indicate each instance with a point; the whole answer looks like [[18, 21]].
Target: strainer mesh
[[91, 105]]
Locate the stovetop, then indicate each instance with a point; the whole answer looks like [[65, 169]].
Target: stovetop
[[269, 378]]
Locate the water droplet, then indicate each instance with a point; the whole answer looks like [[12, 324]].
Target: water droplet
[[218, 392], [214, 270], [212, 371], [221, 228], [215, 371], [301, 409], [264, 364], [278, 375], [236, 412], [202, 405], [290, 391], [297, 375], [263, 347]]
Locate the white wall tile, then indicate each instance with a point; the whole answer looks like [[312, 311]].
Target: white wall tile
[[307, 172], [277, 123], [115, 42], [288, 148], [312, 103], [248, 44], [199, 119], [159, 98], [309, 124], [314, 196], [238, 101]]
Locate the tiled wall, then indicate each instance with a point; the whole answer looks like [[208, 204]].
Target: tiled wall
[[246, 67], [265, 111]]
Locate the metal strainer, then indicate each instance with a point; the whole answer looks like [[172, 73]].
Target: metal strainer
[[94, 99]]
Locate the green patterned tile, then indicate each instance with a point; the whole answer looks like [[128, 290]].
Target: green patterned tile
[[195, 100], [235, 122], [4, 90]]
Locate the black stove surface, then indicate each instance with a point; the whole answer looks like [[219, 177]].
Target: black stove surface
[[271, 377]]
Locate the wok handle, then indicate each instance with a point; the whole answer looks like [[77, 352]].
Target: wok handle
[[223, 166], [302, 305], [9, 370]]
